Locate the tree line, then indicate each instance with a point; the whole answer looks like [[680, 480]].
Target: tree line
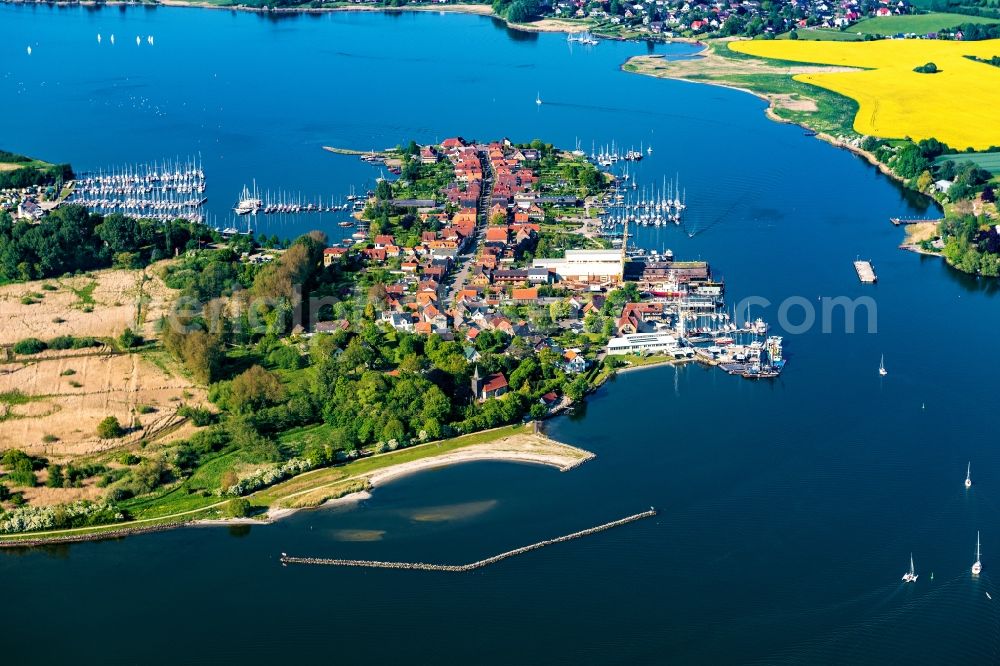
[[71, 239]]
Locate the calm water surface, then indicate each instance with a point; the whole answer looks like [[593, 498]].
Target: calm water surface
[[788, 509]]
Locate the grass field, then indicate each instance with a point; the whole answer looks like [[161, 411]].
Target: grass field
[[988, 161], [920, 24], [791, 100], [10, 161], [824, 35], [959, 105], [190, 499], [958, 6]]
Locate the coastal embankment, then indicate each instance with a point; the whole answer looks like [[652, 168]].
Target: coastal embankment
[[472, 566]]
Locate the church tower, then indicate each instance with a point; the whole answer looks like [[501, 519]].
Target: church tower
[[477, 384]]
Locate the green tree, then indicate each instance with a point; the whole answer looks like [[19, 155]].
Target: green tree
[[129, 339], [383, 190], [239, 507], [577, 388], [255, 389], [109, 428], [20, 469], [55, 477], [925, 181]]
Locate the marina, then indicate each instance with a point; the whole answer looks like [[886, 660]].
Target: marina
[[647, 206], [866, 272], [163, 191], [252, 202]]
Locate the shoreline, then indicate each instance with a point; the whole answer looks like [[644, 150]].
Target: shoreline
[[518, 447], [771, 114], [654, 364], [543, 25]]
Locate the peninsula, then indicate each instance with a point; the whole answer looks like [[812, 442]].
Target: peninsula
[[488, 284], [849, 94]]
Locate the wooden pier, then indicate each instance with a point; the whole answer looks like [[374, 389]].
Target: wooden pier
[[479, 564], [866, 272]]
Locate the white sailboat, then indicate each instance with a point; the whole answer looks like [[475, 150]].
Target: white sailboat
[[968, 475], [911, 575], [29, 50], [881, 367], [977, 567], [112, 39], [98, 38], [538, 98]]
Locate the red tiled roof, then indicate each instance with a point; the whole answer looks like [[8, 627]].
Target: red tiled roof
[[495, 382]]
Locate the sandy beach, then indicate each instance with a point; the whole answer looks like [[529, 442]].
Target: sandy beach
[[529, 448]]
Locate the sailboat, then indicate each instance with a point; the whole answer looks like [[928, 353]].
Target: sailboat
[[968, 475], [911, 575], [112, 39], [98, 38], [29, 50], [538, 98], [881, 367], [977, 567]]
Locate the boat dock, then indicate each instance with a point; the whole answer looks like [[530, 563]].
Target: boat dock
[[866, 272], [902, 221], [479, 564]]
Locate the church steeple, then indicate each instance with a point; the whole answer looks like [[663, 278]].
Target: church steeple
[[477, 384]]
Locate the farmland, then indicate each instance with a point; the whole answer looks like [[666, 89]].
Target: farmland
[[988, 161], [920, 24], [960, 105], [99, 304], [52, 406]]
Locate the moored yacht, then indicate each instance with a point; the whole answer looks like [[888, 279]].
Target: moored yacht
[[248, 203]]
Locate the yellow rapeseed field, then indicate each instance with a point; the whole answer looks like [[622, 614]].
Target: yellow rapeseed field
[[959, 105]]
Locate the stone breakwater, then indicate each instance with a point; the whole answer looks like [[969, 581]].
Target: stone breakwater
[[479, 564], [101, 535]]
